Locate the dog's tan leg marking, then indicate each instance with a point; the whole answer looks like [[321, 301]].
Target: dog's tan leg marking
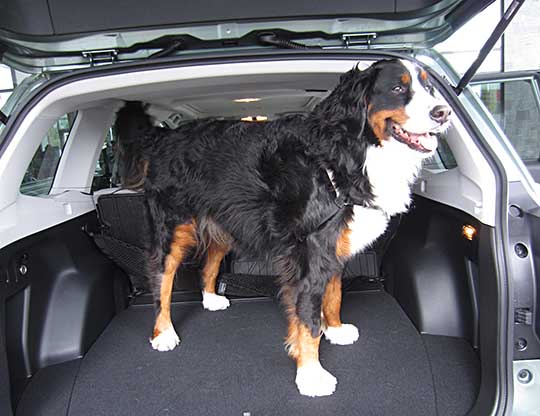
[[343, 244], [311, 378], [335, 331], [332, 302], [164, 337], [332, 294], [214, 256]]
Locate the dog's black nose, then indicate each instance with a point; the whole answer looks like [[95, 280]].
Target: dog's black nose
[[440, 113]]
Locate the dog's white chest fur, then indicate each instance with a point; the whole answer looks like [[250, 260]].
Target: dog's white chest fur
[[391, 170]]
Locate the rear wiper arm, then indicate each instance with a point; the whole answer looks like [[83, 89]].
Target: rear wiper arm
[[497, 32]]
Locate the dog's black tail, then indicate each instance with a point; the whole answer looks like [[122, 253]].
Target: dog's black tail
[[132, 127]]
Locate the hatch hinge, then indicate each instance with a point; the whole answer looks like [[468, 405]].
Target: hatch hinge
[[358, 39], [101, 56]]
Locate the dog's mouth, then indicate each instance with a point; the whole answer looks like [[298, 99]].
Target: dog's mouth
[[421, 142]]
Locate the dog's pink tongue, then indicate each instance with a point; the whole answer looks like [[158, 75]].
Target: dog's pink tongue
[[427, 141]]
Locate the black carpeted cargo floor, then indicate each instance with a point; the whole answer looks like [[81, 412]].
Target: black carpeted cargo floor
[[231, 362]]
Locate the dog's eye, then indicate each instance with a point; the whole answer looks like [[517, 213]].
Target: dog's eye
[[398, 89], [429, 88]]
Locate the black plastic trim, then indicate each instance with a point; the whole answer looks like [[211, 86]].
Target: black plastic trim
[[524, 246], [427, 269], [59, 302]]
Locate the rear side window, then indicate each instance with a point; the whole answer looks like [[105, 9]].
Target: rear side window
[[443, 159], [106, 174], [39, 176], [6, 84], [516, 108]]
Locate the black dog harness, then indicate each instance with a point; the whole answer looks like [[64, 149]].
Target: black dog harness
[[340, 201]]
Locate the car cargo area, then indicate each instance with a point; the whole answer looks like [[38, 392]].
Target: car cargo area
[[424, 296], [415, 356], [232, 362]]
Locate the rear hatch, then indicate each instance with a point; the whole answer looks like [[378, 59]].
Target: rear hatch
[[59, 34]]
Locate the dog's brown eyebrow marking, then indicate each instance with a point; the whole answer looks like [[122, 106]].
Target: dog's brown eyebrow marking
[[406, 79], [423, 75]]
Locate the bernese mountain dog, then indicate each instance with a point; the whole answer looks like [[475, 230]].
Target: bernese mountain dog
[[305, 191]]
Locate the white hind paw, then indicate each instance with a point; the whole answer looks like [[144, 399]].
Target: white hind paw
[[312, 380], [345, 334], [213, 302], [166, 341]]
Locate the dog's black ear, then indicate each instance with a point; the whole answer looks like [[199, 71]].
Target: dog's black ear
[[363, 85], [350, 96]]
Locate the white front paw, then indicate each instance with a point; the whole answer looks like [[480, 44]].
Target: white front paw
[[345, 334], [213, 302], [166, 341], [312, 380]]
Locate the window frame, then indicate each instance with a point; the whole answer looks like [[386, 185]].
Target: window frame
[[57, 165], [530, 76]]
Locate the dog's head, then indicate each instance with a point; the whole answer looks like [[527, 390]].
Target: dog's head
[[399, 103]]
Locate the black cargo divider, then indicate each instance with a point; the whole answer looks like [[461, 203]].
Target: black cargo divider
[[124, 217], [124, 234], [129, 257], [124, 237]]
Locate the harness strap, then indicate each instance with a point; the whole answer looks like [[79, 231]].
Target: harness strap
[[341, 202]]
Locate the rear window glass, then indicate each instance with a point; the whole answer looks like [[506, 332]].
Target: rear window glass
[[6, 78], [6, 84], [39, 176], [443, 159], [516, 109]]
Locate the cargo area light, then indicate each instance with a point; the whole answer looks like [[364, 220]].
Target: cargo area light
[[254, 118], [246, 100]]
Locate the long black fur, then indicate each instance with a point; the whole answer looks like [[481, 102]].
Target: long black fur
[[262, 184]]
